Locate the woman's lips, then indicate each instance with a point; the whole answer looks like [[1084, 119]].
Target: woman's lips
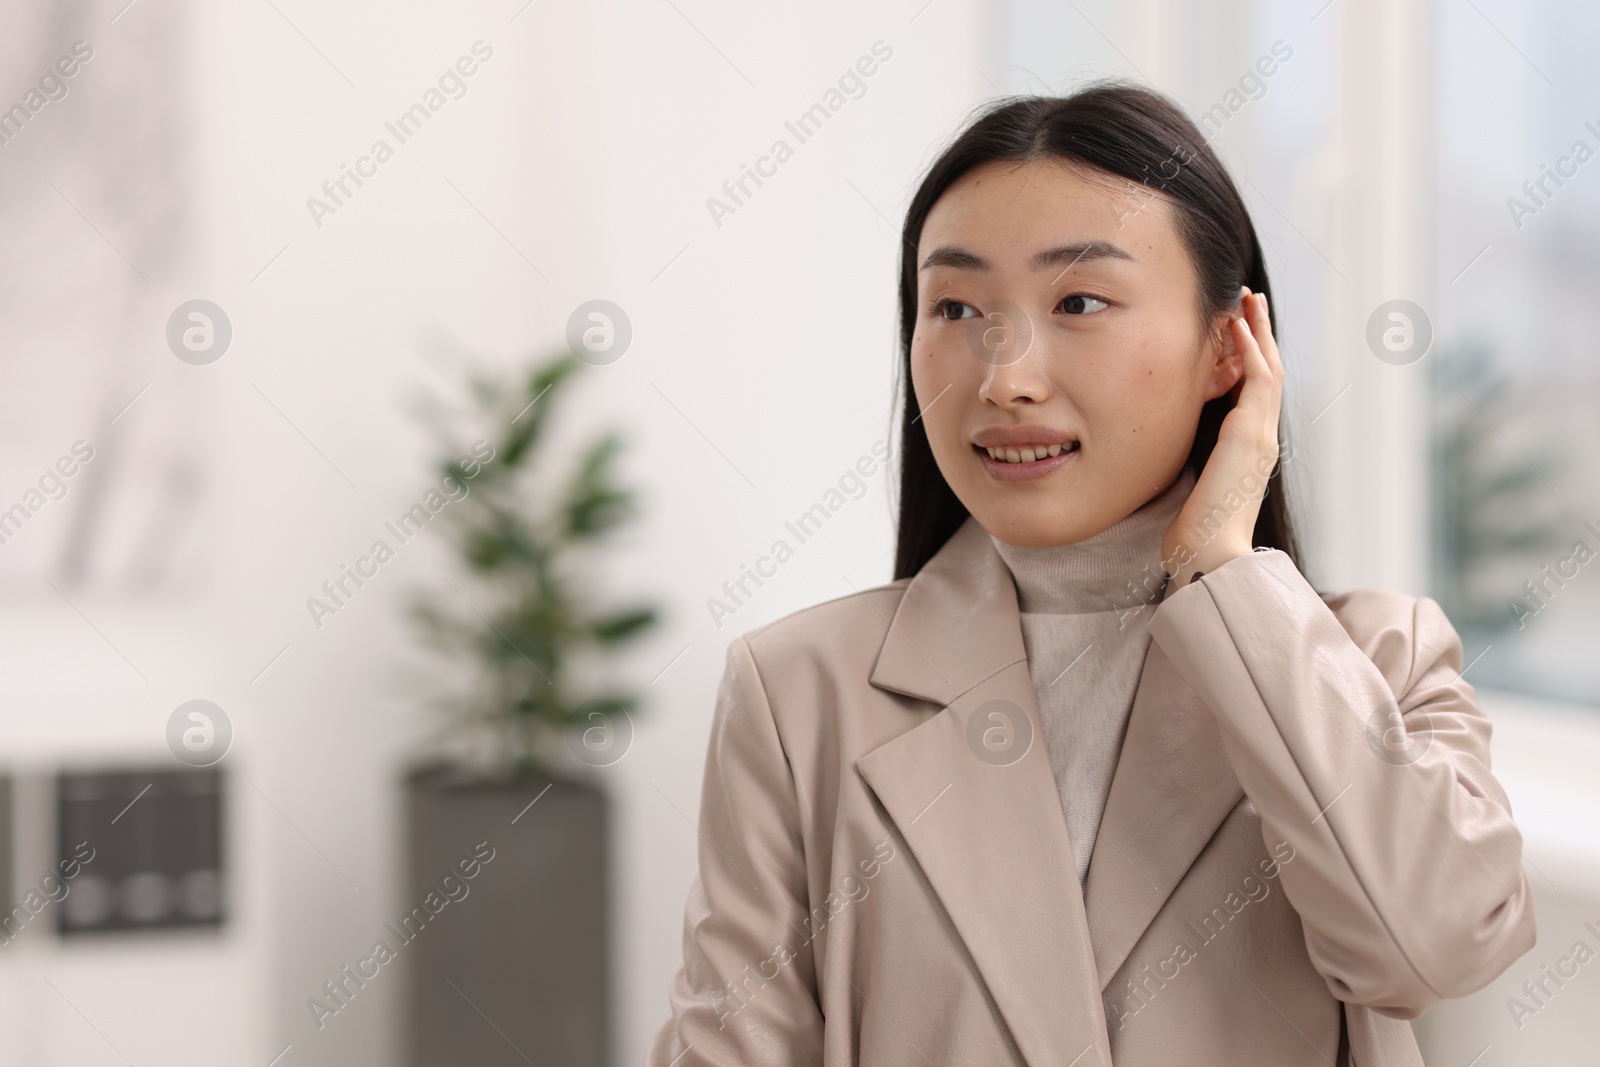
[[1017, 473]]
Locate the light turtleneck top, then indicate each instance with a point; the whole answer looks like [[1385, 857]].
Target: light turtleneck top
[[1085, 608]]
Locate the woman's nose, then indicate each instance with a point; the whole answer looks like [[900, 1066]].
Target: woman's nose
[[1005, 341]]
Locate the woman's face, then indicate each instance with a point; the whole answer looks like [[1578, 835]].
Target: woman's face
[[1056, 319]]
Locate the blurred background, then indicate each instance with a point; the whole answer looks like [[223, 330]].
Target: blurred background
[[244, 345]]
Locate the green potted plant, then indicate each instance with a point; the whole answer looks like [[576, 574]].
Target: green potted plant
[[510, 773]]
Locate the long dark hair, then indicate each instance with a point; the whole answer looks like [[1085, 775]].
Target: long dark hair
[[1125, 130]]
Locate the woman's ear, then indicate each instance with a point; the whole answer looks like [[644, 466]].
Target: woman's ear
[[1224, 363]]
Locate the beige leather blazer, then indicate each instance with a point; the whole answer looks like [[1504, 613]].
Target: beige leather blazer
[[1303, 845]]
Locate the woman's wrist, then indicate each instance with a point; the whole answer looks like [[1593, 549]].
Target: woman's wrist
[[1204, 561]]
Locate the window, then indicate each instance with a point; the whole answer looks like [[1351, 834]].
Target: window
[[1514, 377]]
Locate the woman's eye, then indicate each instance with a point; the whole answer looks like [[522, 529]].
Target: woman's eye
[[953, 309], [1076, 304]]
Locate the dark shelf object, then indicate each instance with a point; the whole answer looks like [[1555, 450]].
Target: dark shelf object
[[8, 848], [156, 838]]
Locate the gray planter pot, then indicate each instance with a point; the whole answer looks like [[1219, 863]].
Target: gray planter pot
[[512, 967]]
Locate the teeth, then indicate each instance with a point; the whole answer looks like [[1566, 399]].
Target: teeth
[[1027, 455]]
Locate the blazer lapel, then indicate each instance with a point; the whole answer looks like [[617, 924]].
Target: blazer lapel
[[1172, 788], [971, 791]]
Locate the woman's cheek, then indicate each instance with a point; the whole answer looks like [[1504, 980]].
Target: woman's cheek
[[930, 377], [924, 371], [938, 364]]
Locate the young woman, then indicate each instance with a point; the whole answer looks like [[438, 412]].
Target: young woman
[[1099, 778]]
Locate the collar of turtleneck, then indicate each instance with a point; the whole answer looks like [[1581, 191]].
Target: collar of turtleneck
[[1117, 569]]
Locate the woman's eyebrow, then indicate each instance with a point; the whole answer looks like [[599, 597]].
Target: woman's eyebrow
[[1078, 252], [1067, 254]]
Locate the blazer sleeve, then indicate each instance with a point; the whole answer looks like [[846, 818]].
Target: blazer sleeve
[[742, 997], [1359, 743]]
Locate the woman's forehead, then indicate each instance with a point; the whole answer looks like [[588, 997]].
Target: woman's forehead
[[1040, 201]]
